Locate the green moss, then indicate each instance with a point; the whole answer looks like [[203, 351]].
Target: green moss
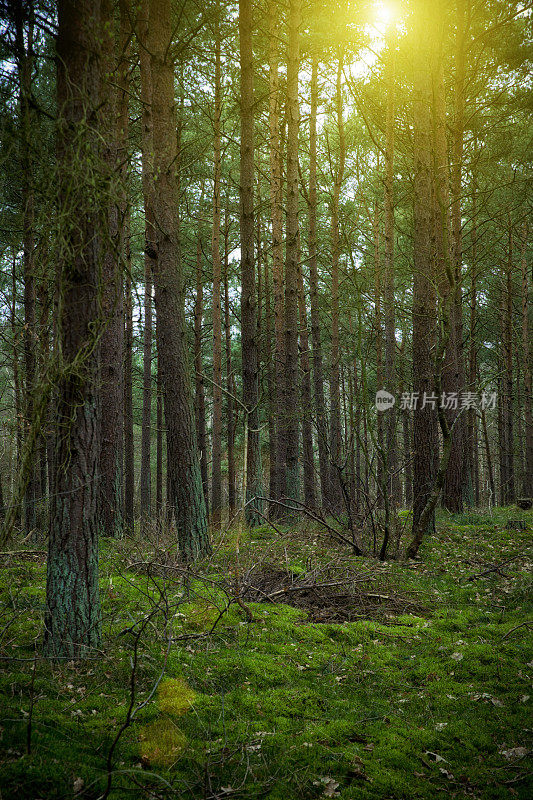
[[277, 705]]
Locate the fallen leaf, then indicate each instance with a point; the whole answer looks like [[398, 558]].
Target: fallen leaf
[[446, 774], [434, 756], [514, 752]]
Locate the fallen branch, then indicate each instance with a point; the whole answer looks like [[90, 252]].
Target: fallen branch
[[522, 624], [497, 567], [311, 515]]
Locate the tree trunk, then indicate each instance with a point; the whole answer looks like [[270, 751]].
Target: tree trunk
[[306, 402], [448, 280], [316, 335], [230, 387], [278, 444], [490, 471], [527, 488], [508, 484], [357, 430], [269, 357], [406, 433], [187, 504], [160, 422], [24, 55], [389, 375], [149, 266], [291, 395], [466, 490], [335, 437], [216, 476], [445, 369], [472, 462], [199, 394], [250, 357], [72, 616], [378, 316], [112, 341], [16, 379], [129, 443], [425, 438]]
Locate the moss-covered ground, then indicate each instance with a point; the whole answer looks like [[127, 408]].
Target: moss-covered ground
[[397, 706]]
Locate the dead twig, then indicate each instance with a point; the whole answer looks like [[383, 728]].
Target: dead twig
[[497, 567]]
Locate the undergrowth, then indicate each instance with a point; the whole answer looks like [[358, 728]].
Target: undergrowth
[[397, 706]]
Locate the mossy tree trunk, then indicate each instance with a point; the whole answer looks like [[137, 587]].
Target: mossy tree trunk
[[72, 617]]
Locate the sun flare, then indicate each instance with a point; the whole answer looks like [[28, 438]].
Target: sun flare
[[384, 14]]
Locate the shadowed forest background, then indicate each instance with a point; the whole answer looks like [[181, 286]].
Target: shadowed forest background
[[266, 473]]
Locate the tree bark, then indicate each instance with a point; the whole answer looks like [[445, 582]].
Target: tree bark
[[335, 437], [316, 333], [406, 432], [306, 400], [149, 266], [160, 423], [466, 490], [445, 361], [527, 488], [250, 357], [216, 475], [448, 277], [24, 54], [230, 384], [187, 504], [291, 395], [112, 341], [72, 616], [472, 463], [16, 378], [269, 358], [378, 317], [129, 443], [199, 393], [389, 317], [506, 399], [425, 438], [278, 443]]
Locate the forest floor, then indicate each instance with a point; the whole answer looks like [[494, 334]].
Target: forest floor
[[333, 676]]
